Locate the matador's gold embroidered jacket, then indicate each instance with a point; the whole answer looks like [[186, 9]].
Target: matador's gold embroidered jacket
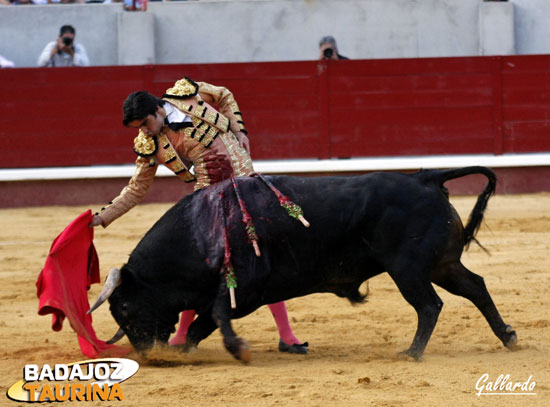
[[209, 143]]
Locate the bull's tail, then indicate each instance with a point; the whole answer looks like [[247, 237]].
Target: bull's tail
[[476, 216]]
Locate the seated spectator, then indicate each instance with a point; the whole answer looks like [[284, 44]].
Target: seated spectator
[[328, 49], [64, 51]]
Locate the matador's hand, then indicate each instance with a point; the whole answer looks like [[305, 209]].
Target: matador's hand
[[243, 141], [96, 221]]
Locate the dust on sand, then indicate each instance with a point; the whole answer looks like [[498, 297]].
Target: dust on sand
[[353, 358]]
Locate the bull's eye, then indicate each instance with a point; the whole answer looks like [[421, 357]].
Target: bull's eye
[[124, 310]]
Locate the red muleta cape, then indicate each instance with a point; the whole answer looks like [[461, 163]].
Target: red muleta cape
[[71, 267]]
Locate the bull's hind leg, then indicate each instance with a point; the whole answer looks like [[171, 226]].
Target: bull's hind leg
[[422, 296], [458, 280], [221, 312]]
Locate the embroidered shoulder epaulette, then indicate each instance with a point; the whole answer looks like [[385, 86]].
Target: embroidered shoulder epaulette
[[183, 88], [144, 145]]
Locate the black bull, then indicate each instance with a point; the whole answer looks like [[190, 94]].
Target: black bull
[[361, 226]]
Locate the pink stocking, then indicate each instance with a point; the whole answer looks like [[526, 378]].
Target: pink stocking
[[281, 319], [186, 319]]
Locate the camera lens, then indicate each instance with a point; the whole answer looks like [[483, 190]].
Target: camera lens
[[328, 53], [67, 41]]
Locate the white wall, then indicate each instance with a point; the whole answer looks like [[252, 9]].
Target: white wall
[[288, 30], [493, 39], [273, 30], [532, 26]]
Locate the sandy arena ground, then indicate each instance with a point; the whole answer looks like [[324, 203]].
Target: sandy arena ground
[[353, 359]]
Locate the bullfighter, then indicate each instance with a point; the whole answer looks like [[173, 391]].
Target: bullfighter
[[181, 130]]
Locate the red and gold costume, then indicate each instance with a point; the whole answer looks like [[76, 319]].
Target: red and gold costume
[[207, 140]]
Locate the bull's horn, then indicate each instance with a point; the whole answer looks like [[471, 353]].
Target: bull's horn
[[113, 280], [118, 336]]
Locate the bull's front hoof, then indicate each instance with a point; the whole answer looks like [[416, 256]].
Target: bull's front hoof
[[189, 347], [511, 340], [186, 347], [416, 356], [245, 355], [239, 348]]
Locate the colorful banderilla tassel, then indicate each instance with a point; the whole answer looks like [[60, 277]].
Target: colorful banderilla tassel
[[246, 219], [292, 209], [227, 269], [231, 282]]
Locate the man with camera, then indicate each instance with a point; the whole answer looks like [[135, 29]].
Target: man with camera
[[328, 49], [64, 51]]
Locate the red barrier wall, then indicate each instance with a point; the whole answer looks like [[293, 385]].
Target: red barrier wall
[[311, 109]]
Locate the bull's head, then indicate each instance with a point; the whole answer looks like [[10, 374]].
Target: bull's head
[[136, 310]]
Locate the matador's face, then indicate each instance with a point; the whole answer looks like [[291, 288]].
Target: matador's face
[[152, 124]]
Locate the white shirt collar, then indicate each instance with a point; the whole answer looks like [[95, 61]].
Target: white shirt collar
[[174, 115]]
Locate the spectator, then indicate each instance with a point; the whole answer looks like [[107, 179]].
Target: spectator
[[328, 49], [6, 63], [64, 51]]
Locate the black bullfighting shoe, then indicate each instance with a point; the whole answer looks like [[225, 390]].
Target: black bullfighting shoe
[[297, 348]]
